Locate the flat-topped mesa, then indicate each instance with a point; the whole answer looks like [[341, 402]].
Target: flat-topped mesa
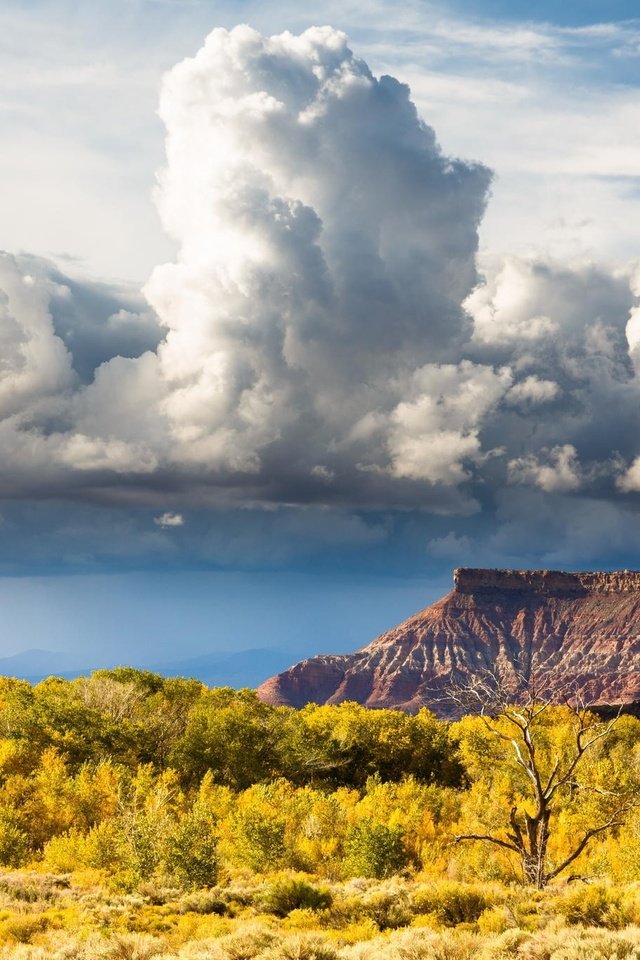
[[558, 583], [577, 632]]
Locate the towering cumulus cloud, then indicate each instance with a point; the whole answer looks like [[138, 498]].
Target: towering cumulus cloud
[[325, 248], [323, 335]]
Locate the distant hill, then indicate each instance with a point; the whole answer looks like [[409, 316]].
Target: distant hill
[[36, 663], [577, 631], [245, 668]]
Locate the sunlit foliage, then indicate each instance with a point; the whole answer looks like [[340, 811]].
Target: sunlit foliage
[[135, 779]]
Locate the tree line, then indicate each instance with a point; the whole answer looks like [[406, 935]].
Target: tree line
[[135, 776], [135, 717]]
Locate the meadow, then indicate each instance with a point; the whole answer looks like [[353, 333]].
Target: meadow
[[147, 817]]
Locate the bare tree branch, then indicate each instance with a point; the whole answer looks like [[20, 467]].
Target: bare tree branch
[[510, 715], [488, 839], [589, 835]]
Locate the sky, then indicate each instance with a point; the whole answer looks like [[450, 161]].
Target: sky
[[302, 306]]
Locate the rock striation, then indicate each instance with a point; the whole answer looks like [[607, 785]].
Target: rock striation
[[577, 632]]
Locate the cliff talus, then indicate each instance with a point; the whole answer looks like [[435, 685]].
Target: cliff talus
[[573, 631]]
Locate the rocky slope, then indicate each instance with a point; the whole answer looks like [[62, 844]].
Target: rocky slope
[[573, 631]]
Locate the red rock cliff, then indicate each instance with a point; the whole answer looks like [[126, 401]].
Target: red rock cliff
[[578, 631]]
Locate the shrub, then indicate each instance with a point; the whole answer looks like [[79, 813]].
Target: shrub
[[301, 920], [259, 839], [593, 905], [302, 947], [191, 852], [204, 902], [131, 946], [29, 887], [452, 903], [105, 846], [65, 852], [495, 920], [417, 945], [294, 893], [512, 944], [155, 893], [567, 944], [374, 850], [14, 845], [22, 927], [251, 940], [388, 906]]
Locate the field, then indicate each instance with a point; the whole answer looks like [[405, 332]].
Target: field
[[143, 817], [291, 917]]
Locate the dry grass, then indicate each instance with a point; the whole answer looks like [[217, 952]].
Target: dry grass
[[45, 917]]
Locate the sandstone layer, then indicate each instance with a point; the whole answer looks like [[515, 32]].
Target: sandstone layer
[[573, 632]]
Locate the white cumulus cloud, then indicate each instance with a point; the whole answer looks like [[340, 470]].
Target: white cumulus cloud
[[560, 474], [532, 391], [169, 520], [313, 315], [326, 245]]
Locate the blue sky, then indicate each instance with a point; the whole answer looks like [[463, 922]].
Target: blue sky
[[214, 438], [518, 86], [154, 618], [575, 13]]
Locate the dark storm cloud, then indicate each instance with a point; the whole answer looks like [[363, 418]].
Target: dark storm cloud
[[95, 320]]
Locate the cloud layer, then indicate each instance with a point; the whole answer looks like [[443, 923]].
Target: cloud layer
[[326, 334], [314, 314]]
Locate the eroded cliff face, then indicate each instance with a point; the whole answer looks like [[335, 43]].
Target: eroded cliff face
[[573, 631], [549, 582]]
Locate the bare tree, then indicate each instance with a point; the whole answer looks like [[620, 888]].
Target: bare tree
[[511, 712]]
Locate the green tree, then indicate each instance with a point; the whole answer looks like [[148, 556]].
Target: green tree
[[375, 850], [346, 744], [190, 854], [232, 734], [256, 829]]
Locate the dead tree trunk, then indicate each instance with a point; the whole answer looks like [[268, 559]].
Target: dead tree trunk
[[528, 834]]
